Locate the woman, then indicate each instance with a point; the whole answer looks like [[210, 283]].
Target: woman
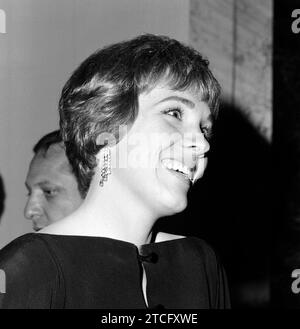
[[135, 118]]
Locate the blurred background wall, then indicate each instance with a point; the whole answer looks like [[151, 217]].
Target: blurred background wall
[[236, 35], [230, 208]]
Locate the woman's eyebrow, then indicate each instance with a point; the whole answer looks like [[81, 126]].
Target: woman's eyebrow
[[183, 100]]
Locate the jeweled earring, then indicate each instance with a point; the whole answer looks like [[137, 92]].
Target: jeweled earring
[[106, 166]]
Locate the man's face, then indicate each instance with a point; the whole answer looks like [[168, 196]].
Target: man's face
[[52, 188]]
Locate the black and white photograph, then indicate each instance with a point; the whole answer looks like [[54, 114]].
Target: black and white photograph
[[150, 157]]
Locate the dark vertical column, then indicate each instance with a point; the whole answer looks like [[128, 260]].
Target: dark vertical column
[[286, 147]]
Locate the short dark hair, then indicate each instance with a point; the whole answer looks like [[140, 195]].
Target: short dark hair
[[103, 91], [46, 141]]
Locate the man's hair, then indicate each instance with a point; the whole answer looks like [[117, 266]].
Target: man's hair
[[46, 141], [103, 91]]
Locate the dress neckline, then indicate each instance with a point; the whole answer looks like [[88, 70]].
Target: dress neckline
[[115, 241]]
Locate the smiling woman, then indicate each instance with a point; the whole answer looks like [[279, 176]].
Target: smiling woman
[[165, 96]]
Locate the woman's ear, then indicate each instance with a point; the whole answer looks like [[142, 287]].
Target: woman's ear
[[106, 138], [101, 140]]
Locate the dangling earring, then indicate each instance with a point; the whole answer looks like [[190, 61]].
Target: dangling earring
[[106, 167]]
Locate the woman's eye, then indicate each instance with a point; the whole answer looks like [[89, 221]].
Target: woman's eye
[[176, 113]]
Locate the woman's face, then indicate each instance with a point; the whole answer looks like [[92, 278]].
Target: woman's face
[[165, 149]]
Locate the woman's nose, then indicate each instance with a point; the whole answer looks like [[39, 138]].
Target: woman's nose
[[197, 141]]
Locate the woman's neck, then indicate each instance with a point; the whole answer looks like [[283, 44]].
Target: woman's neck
[[112, 212]]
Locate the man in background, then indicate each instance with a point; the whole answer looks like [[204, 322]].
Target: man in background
[[52, 187]]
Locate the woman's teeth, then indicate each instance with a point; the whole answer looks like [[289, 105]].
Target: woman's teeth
[[178, 166]]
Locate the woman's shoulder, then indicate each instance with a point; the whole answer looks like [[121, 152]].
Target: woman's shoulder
[[208, 254], [192, 245], [31, 273], [195, 246], [24, 244], [28, 252], [209, 260], [204, 247]]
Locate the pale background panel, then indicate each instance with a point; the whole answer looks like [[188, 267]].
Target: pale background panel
[[236, 36]]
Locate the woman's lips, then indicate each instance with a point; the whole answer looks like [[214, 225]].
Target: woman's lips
[[180, 176], [179, 167]]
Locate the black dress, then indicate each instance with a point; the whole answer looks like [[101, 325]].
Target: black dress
[[61, 271]]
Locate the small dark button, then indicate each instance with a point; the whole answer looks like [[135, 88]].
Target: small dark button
[[151, 258]]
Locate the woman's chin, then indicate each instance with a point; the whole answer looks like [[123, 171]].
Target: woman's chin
[[175, 204]]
